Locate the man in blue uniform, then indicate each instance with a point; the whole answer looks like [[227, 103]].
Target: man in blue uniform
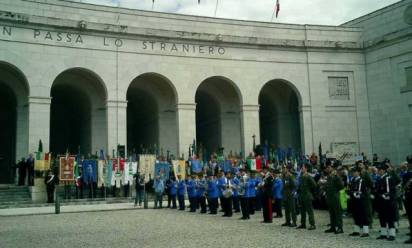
[[173, 192], [213, 194], [191, 193], [244, 194], [181, 190], [252, 192], [159, 187], [201, 194], [277, 194], [236, 201]]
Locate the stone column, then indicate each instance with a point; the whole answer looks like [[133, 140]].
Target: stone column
[[39, 123], [116, 125], [306, 130], [250, 127], [186, 114], [39, 129]]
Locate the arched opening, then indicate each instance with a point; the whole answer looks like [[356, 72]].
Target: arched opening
[[151, 114], [279, 115], [218, 116], [78, 113], [13, 120]]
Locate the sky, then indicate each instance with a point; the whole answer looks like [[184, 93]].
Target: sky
[[325, 12]]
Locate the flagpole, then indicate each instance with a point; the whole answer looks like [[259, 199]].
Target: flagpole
[[217, 3]]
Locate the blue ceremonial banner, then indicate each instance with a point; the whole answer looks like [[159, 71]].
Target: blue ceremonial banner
[[89, 171], [196, 166], [162, 169]]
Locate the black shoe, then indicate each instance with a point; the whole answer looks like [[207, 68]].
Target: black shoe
[[292, 225], [381, 237], [330, 230], [409, 241], [354, 234], [339, 231], [301, 227], [364, 235], [312, 228], [285, 224], [391, 238], [225, 215], [243, 218]]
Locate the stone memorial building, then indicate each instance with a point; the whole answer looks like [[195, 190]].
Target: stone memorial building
[[75, 74]]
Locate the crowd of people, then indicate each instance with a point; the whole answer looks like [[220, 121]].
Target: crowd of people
[[360, 190]]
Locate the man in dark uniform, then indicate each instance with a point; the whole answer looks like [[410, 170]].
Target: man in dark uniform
[[289, 192], [407, 189], [22, 168], [334, 185], [266, 186], [305, 190], [386, 193], [358, 193], [50, 180]]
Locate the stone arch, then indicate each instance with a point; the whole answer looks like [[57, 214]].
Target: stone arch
[[218, 123], [14, 93], [78, 116], [279, 115], [151, 114]]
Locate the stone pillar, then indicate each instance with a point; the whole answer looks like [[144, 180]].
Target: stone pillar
[[250, 127], [116, 125], [39, 129], [186, 114], [39, 123], [306, 130]]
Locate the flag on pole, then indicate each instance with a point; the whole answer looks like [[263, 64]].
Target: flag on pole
[[277, 8]]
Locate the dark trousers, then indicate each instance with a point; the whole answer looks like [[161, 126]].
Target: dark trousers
[[258, 202], [213, 205], [290, 210], [181, 200], [244, 205], [408, 208], [227, 206], [359, 212], [50, 194], [277, 207], [252, 201], [126, 190], [22, 176], [172, 201], [335, 213], [202, 203], [236, 203], [267, 209], [139, 197], [387, 212], [169, 200], [221, 200], [193, 204]]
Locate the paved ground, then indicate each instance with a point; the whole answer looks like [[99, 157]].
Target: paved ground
[[171, 228]]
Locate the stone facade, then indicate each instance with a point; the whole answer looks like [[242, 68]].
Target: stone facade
[[48, 46]]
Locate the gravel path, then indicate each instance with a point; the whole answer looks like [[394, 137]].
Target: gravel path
[[172, 228]]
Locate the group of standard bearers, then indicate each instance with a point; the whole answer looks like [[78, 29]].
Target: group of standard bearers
[[248, 191]]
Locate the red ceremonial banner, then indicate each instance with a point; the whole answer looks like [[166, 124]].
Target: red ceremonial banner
[[67, 168]]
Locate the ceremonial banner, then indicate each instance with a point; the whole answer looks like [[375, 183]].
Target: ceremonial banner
[[116, 174], [42, 163], [196, 166], [108, 173], [251, 164], [179, 166], [66, 166], [162, 169], [101, 164], [89, 171], [130, 168], [146, 166]]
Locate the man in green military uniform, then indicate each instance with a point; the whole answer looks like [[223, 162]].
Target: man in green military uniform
[[334, 185], [305, 190], [289, 192]]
